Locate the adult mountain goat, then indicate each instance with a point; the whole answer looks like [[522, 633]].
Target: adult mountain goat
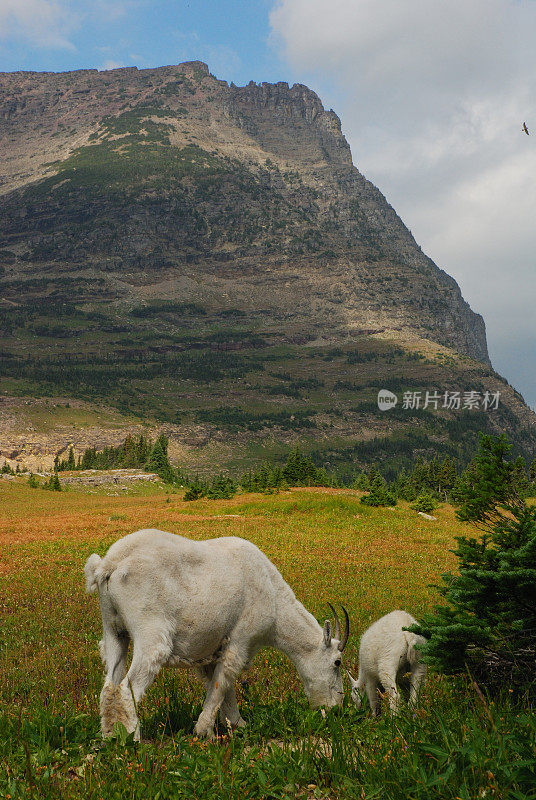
[[209, 605]]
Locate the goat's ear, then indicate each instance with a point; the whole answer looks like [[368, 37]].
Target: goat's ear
[[327, 633], [352, 682]]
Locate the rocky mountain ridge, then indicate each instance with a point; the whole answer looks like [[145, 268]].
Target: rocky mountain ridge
[[170, 243], [287, 126]]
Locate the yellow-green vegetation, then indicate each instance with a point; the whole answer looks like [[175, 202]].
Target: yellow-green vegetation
[[46, 415], [330, 547]]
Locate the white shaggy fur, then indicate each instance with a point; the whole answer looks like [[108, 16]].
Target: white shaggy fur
[[210, 605], [386, 654]]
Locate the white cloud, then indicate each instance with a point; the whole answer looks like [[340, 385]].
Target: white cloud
[[432, 95], [45, 23], [51, 23]]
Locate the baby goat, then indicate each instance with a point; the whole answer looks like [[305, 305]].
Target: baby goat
[[386, 654]]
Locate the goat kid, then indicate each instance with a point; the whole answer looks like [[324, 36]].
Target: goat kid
[[387, 653]]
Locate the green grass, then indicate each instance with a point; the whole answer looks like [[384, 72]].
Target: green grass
[[329, 547], [463, 750]]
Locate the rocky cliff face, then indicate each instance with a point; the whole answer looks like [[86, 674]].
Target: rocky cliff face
[[265, 182], [170, 245]]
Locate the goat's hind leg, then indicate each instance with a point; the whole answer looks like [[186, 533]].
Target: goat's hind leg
[[418, 673], [113, 650], [150, 652]]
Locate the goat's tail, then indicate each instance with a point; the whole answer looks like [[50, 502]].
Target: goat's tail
[[91, 571]]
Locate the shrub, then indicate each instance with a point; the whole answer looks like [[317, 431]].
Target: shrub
[[195, 491], [379, 494], [221, 487], [425, 503]]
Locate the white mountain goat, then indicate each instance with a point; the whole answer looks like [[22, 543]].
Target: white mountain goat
[[209, 605], [386, 654]]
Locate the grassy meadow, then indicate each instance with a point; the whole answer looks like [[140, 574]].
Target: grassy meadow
[[329, 547]]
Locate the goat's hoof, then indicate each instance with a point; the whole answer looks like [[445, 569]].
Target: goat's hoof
[[233, 726], [203, 731]]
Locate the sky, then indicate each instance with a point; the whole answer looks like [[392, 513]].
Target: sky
[[432, 95]]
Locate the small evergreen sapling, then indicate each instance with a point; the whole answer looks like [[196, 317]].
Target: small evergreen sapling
[[379, 495], [53, 484]]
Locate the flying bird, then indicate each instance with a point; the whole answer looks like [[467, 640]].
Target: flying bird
[[526, 129]]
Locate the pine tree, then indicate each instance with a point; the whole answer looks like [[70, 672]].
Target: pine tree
[[532, 471], [53, 483], [519, 476], [447, 477], [221, 487], [143, 449], [403, 486], [488, 485], [378, 495], [361, 481], [71, 463], [195, 490], [488, 624], [159, 462]]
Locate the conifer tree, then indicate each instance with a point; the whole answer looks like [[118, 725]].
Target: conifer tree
[[361, 481], [159, 462], [378, 495], [519, 476], [488, 624], [71, 462]]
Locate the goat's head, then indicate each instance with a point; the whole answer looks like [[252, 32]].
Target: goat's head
[[321, 674]]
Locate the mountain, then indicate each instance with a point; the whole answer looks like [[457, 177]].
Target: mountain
[[206, 258]]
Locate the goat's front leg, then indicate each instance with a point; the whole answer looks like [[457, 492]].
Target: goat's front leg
[[229, 711], [371, 688], [221, 693]]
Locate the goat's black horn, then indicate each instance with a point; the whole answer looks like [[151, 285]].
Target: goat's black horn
[[337, 631], [344, 640]]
